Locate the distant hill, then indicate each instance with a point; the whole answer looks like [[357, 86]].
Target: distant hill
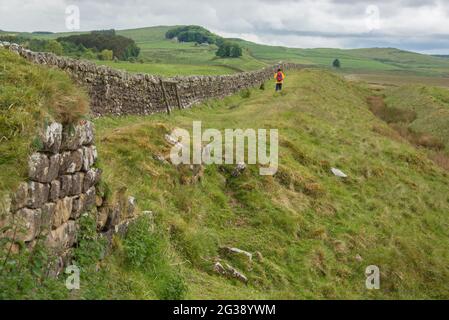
[[169, 57]]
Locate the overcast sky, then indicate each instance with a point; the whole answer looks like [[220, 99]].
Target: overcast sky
[[418, 25]]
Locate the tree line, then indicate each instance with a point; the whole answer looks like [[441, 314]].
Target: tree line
[[200, 35], [102, 45]]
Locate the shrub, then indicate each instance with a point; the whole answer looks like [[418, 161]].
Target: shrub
[[123, 48], [245, 94], [336, 63], [229, 50], [91, 246], [106, 55], [174, 288], [195, 34], [146, 251], [24, 274]]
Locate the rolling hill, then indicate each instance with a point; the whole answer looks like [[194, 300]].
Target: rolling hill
[[166, 57]]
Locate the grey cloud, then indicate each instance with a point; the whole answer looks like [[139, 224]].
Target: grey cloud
[[409, 24]]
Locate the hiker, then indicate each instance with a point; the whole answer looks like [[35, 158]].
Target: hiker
[[279, 76]]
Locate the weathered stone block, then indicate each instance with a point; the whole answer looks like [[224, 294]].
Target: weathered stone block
[[43, 168], [91, 196], [37, 194], [77, 184], [89, 157], [20, 197], [53, 168], [77, 136], [26, 225], [71, 162], [131, 207], [98, 201], [102, 218], [114, 217], [63, 237], [51, 137], [70, 139], [79, 205], [55, 190], [66, 186], [48, 212], [63, 212], [38, 164], [63, 259], [87, 134], [91, 178]]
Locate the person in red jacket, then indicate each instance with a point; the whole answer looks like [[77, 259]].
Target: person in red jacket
[[279, 76]]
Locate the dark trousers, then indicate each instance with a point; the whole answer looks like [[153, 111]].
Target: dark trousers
[[278, 86]]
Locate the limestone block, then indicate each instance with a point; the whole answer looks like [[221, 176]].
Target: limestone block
[[114, 217], [51, 138], [66, 186], [77, 136], [77, 184], [90, 156], [71, 162], [53, 168], [20, 197], [63, 237], [37, 194], [62, 212], [38, 165], [91, 196], [102, 218], [91, 178], [26, 225], [48, 212], [55, 190], [87, 133], [79, 205], [131, 207]]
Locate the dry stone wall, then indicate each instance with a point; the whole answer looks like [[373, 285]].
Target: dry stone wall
[[62, 178], [61, 186], [115, 92]]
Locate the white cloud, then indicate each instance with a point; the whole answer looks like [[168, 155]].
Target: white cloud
[[414, 25]]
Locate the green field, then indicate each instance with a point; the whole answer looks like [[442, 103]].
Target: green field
[[166, 57]]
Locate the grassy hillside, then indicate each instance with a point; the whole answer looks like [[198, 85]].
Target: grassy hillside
[[30, 96], [387, 60], [431, 105], [315, 233], [166, 57]]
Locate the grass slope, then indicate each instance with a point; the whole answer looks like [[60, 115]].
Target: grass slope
[[316, 233], [30, 97], [431, 105]]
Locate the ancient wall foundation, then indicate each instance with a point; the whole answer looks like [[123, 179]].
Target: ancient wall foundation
[[115, 92], [62, 186]]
